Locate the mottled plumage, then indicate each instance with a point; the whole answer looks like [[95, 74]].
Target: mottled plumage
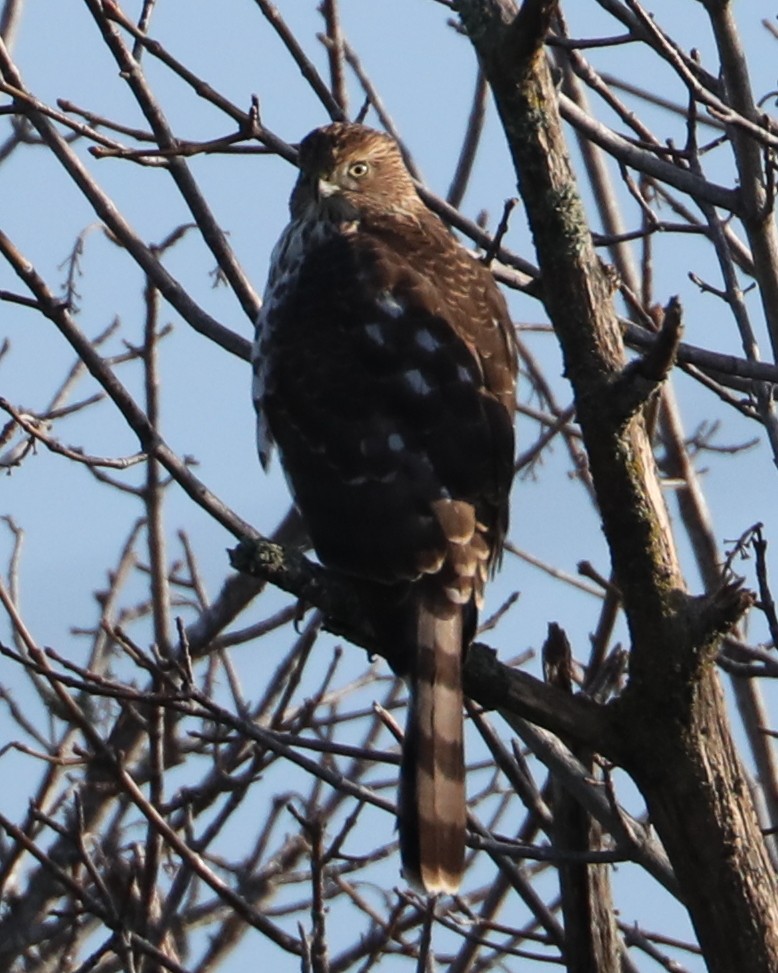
[[384, 369]]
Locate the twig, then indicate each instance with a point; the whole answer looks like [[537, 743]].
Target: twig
[[766, 601], [470, 142], [331, 12], [212, 233], [34, 428], [309, 72], [109, 213]]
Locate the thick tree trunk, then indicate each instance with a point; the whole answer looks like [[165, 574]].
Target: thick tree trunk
[[672, 733], [700, 804]]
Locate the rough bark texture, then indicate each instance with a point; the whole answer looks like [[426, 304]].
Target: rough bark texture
[[592, 941], [675, 737]]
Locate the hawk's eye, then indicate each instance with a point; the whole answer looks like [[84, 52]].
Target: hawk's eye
[[358, 169]]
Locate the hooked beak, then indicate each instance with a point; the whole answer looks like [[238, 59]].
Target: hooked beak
[[325, 188]]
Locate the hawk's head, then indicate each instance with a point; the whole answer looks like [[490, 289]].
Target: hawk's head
[[348, 169]]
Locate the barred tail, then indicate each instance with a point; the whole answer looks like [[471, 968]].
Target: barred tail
[[432, 815]]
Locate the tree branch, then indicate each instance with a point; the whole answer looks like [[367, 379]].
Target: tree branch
[[671, 670]]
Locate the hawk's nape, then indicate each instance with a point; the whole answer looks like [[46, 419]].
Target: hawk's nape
[[385, 370]]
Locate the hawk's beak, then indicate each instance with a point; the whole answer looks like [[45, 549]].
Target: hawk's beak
[[325, 188]]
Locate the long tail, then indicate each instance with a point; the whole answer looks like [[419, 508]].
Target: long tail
[[432, 816]]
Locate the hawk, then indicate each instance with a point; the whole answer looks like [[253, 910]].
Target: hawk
[[385, 371]]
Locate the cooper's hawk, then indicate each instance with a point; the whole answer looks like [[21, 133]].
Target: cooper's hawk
[[384, 368]]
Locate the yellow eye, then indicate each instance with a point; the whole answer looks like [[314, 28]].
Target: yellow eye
[[358, 169]]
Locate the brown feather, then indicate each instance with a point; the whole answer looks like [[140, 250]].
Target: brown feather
[[384, 369], [432, 788]]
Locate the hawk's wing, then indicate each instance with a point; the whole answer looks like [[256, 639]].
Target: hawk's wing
[[385, 370], [384, 358], [285, 260]]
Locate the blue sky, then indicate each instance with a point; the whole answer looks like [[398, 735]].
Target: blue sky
[[425, 72]]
